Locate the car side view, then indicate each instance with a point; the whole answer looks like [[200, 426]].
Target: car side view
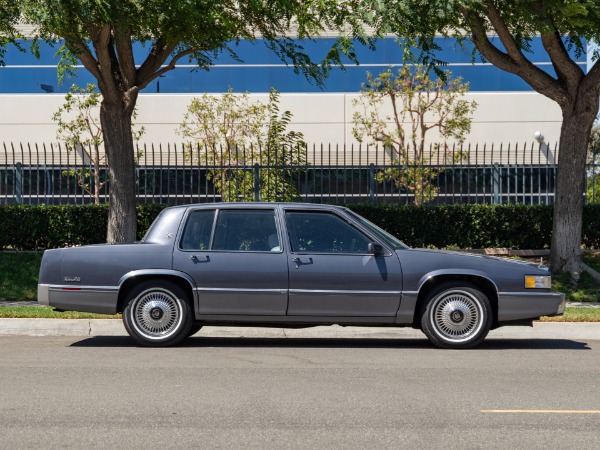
[[290, 265]]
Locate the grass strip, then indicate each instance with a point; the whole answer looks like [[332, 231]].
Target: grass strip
[[576, 314], [46, 312], [572, 314], [19, 275]]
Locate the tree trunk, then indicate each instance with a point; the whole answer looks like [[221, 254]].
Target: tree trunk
[[118, 142], [565, 252]]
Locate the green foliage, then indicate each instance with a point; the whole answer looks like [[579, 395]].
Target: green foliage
[[475, 225], [29, 227], [401, 111], [230, 131]]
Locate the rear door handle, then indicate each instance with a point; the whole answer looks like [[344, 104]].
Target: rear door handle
[[196, 260]]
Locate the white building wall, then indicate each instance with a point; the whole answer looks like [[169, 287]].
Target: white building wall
[[501, 117]]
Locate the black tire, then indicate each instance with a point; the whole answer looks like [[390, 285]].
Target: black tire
[[456, 315], [195, 328], [158, 314]]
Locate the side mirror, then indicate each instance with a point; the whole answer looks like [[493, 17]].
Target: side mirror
[[375, 248]]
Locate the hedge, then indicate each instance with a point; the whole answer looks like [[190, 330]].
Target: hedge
[[29, 227], [26, 227], [476, 225]]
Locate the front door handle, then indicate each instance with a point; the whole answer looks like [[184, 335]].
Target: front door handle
[[299, 262], [196, 260]]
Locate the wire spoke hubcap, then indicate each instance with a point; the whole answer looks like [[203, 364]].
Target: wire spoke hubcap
[[457, 316], [156, 314]]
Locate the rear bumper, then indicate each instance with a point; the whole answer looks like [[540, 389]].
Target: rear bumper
[[94, 299], [529, 305], [43, 294]]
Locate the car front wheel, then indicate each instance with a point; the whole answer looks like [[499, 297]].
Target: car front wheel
[[158, 314], [456, 315]]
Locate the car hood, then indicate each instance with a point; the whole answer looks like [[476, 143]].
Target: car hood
[[479, 256]]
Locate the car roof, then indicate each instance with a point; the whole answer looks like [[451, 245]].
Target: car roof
[[249, 205]]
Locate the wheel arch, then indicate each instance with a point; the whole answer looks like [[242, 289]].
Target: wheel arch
[[483, 283], [132, 279]]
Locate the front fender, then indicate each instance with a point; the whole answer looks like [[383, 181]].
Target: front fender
[[454, 272]]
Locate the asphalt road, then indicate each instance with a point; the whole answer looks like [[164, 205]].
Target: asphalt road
[[102, 392]]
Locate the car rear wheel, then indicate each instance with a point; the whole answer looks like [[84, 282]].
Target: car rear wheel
[[158, 314], [456, 315]]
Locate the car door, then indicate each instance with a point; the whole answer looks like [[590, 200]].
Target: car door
[[236, 259], [332, 272]]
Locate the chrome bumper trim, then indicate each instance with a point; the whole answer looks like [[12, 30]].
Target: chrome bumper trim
[[43, 294]]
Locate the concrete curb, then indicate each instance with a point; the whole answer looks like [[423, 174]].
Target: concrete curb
[[113, 327]]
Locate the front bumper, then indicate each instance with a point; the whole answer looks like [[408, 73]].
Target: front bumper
[[529, 305]]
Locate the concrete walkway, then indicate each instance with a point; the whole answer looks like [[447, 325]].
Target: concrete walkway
[[108, 327]]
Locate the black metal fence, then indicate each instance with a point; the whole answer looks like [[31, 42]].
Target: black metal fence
[[176, 174]]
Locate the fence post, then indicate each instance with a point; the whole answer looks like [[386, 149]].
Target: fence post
[[372, 183], [256, 173], [496, 183], [19, 182], [49, 184]]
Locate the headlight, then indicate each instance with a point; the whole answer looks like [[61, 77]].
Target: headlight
[[538, 281]]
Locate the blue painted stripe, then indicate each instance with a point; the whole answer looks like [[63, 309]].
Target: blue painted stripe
[[262, 70]]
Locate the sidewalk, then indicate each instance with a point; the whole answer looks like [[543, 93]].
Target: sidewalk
[[108, 327]]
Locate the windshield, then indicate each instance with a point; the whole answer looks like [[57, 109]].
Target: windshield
[[386, 237]]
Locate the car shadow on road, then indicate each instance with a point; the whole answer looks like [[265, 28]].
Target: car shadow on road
[[400, 343]]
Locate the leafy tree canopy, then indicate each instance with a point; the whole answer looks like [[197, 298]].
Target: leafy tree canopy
[[197, 29]]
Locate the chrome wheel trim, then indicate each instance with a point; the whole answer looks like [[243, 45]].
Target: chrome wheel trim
[[457, 316], [156, 314]]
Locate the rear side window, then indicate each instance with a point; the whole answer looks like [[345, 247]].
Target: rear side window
[[246, 230], [198, 228]]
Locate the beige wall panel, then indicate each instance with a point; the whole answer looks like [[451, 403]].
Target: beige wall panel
[[500, 117]]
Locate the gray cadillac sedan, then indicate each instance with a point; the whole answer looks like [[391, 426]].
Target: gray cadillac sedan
[[290, 265]]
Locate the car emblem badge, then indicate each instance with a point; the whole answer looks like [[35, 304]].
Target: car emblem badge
[[72, 280]]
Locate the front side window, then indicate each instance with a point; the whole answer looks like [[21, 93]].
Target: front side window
[[198, 228], [316, 232], [246, 230]]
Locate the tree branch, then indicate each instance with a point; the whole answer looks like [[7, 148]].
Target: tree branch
[[84, 54], [592, 80], [125, 55], [158, 55], [100, 37], [534, 76], [142, 83], [565, 67]]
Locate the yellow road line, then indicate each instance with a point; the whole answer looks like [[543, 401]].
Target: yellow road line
[[541, 411]]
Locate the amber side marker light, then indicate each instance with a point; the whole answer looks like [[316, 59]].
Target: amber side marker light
[[538, 281]]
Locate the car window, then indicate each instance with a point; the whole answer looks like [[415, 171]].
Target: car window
[[246, 230], [198, 228], [317, 232], [386, 237]]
